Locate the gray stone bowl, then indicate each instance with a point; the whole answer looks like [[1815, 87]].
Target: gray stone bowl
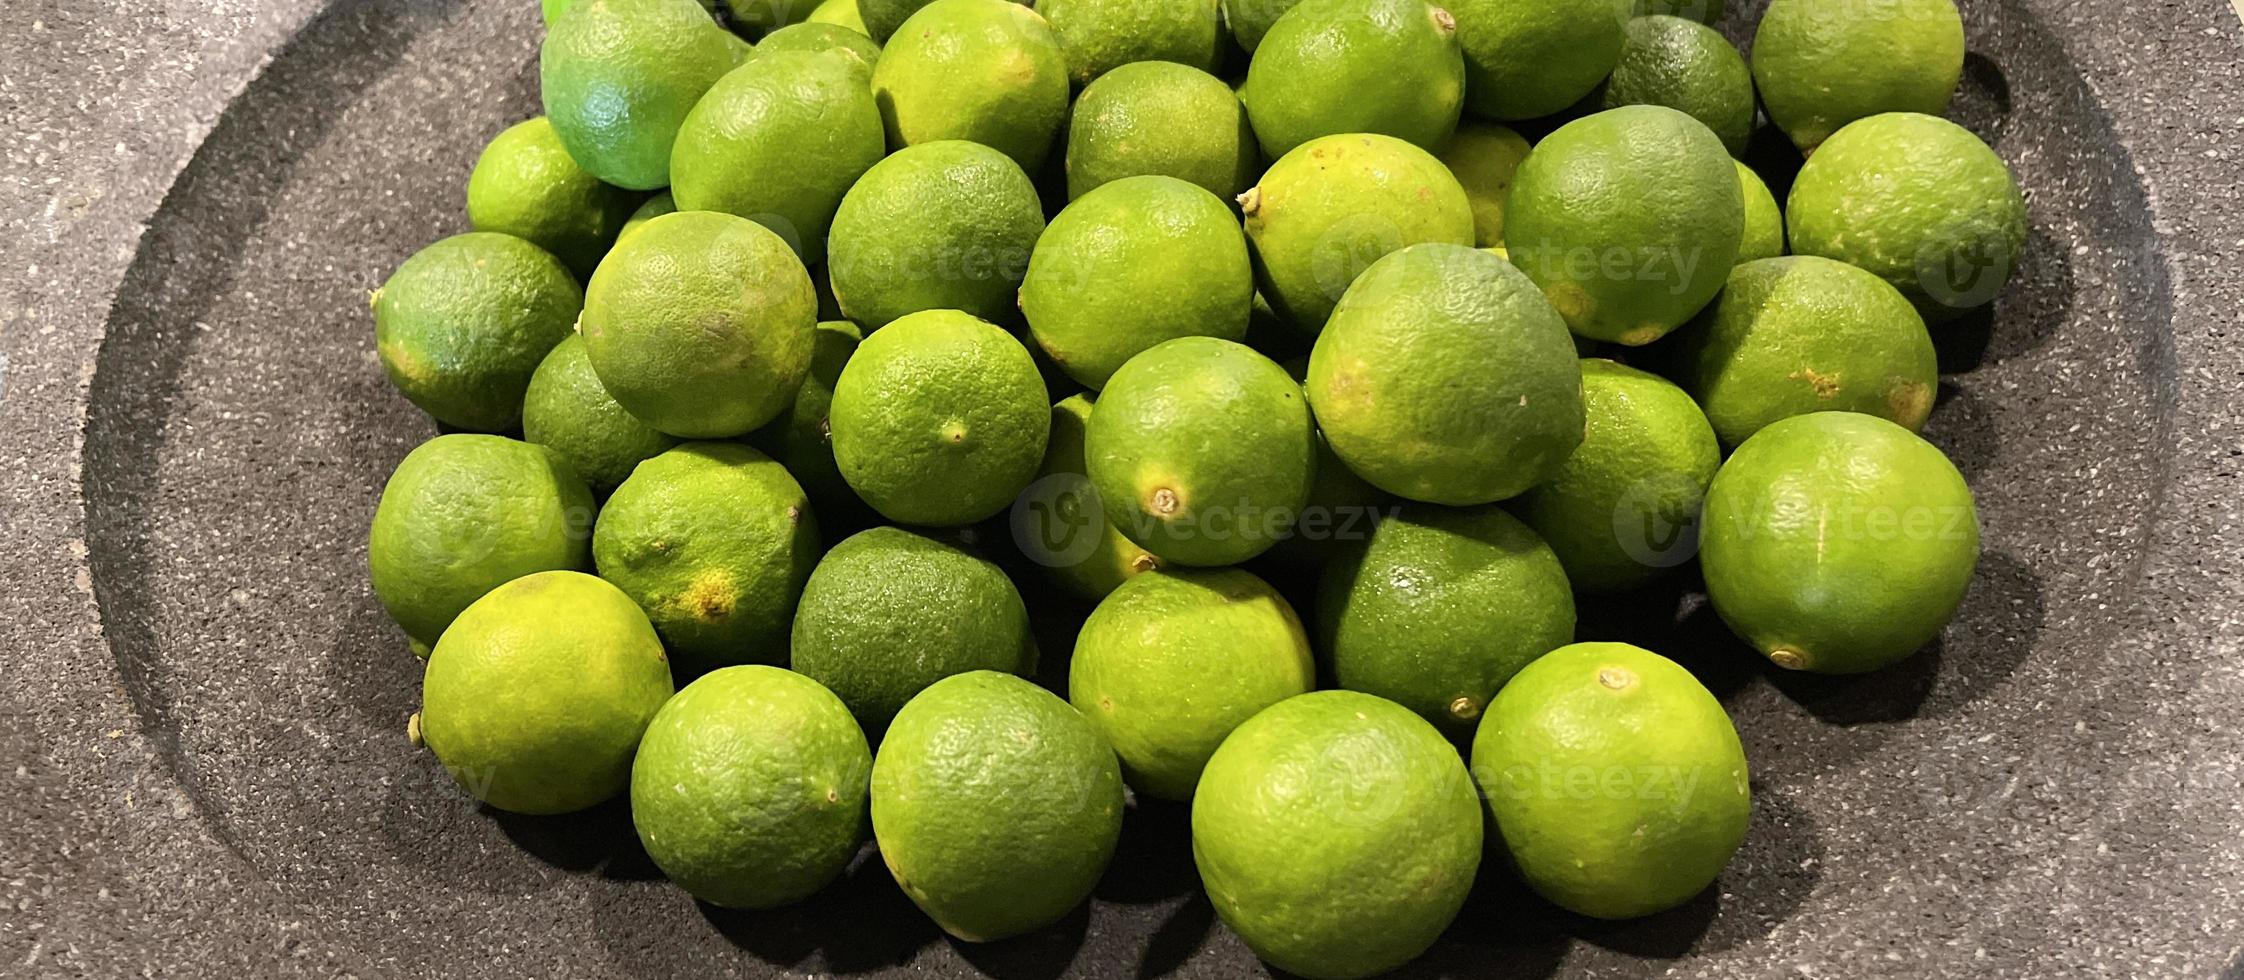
[[204, 721]]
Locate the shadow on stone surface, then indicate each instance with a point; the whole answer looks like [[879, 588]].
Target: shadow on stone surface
[[598, 840], [860, 923], [1153, 860], [1671, 617], [2033, 305], [1040, 955]]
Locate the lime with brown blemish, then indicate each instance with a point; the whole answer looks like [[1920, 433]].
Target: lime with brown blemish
[[1445, 376], [1801, 334], [1059, 522], [1356, 66], [566, 410], [1616, 780], [1202, 451], [1628, 219], [1838, 542], [1441, 606], [940, 419], [1174, 659], [525, 184], [714, 541], [462, 324], [749, 787], [537, 695]]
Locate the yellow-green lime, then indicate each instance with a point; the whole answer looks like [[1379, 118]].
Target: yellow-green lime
[[810, 36], [1703, 11], [1483, 157], [996, 805], [1445, 376], [568, 412], [1342, 507], [462, 324], [1838, 542], [765, 17], [841, 13], [989, 71], [1174, 659], [536, 697], [1059, 522], [618, 77], [1685, 65], [1764, 222], [654, 207], [1202, 451], [1628, 219], [1822, 64], [779, 141], [1624, 508], [940, 419], [464, 514], [1337, 833], [1802, 334], [1129, 265], [1356, 66], [1920, 202], [525, 184], [1157, 117], [1441, 606], [1326, 211], [1529, 58], [1616, 780], [1098, 36], [883, 17], [749, 789], [801, 438], [888, 612], [1249, 20], [701, 323], [938, 226], [714, 541]]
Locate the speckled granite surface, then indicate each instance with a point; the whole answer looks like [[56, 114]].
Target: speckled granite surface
[[202, 771]]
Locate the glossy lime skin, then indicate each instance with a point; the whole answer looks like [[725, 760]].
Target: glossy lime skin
[[988, 71], [814, 35], [995, 804], [749, 788], [1156, 117], [1356, 66], [525, 184], [1529, 58], [936, 226], [464, 514], [1100, 35], [1764, 223], [1441, 606], [1838, 542], [567, 411], [1337, 834], [888, 612], [618, 77], [536, 697], [1616, 781], [463, 323], [1821, 64], [1173, 659]]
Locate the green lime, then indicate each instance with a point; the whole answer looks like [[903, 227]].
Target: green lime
[[840, 13], [464, 514], [1356, 66], [1838, 542], [657, 206], [1174, 659], [938, 226], [1444, 376], [1106, 254], [1059, 522], [1342, 507], [1249, 20], [535, 698], [1684, 65], [940, 419], [888, 612], [552, 9], [1764, 223], [883, 17], [815, 37], [1156, 117], [1528, 58], [1483, 157], [618, 77], [1439, 608], [1202, 451], [1329, 209], [779, 141], [801, 438], [525, 184], [568, 412], [1617, 782], [766, 17], [749, 789], [1703, 11], [462, 324], [996, 805], [1337, 833], [1822, 64], [1920, 202], [1628, 219], [1100, 35], [989, 71], [1625, 506], [714, 541], [1802, 334], [701, 324]]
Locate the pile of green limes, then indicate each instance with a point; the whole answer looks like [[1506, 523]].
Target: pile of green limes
[[771, 367]]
